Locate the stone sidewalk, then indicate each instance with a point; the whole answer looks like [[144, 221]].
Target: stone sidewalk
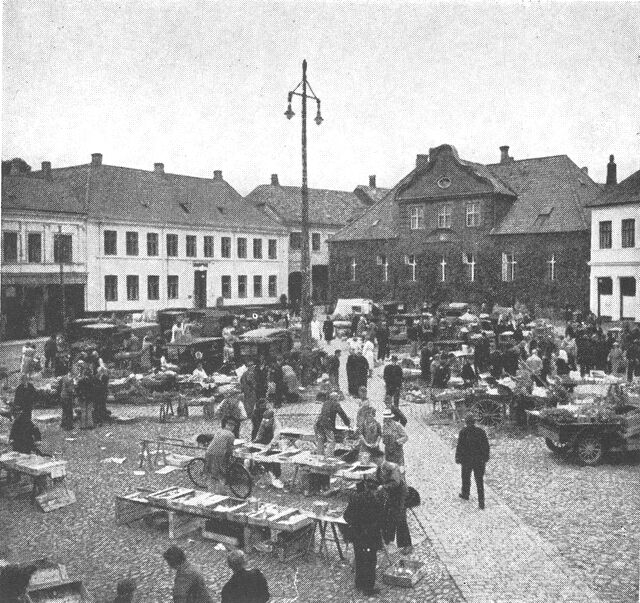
[[492, 555]]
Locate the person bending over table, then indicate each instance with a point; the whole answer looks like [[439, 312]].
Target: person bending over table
[[25, 436], [268, 433], [218, 455], [325, 425]]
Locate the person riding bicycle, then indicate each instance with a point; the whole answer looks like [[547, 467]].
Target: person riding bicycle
[[219, 453]]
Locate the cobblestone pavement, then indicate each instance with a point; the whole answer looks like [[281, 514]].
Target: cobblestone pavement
[[579, 526], [590, 515], [84, 536]]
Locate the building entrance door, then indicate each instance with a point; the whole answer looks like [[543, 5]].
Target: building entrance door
[[200, 289], [627, 297], [605, 291]]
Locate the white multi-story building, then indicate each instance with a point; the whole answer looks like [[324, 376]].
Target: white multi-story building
[[145, 239], [615, 250]]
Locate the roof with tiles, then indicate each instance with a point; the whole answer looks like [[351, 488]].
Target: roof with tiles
[[552, 195], [65, 192], [138, 196], [626, 192], [326, 207]]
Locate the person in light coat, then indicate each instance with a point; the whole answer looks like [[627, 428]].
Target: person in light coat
[[368, 351]]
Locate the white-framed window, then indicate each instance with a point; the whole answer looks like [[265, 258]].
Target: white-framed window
[[551, 268], [444, 215], [111, 287], [473, 213], [273, 285], [173, 288], [410, 260], [417, 217], [381, 260], [443, 269], [353, 269], [469, 261], [508, 267]]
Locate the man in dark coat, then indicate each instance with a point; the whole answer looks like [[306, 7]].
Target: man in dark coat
[[472, 454], [189, 585], [25, 396], [354, 324], [262, 378], [392, 376], [333, 369], [327, 329], [245, 586], [364, 515], [351, 380], [382, 335], [24, 435], [425, 362], [360, 371], [50, 352]]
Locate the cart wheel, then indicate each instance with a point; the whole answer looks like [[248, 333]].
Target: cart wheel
[[489, 412], [590, 450], [239, 480], [196, 472], [557, 448]]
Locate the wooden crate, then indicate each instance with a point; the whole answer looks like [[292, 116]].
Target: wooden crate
[[392, 577], [289, 545]]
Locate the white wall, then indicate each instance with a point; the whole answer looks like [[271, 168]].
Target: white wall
[[46, 225], [318, 258], [616, 262], [182, 266]]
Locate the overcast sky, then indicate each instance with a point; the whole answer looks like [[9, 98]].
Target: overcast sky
[[203, 86]]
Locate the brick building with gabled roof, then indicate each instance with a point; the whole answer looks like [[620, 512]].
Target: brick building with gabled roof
[[455, 230], [329, 211]]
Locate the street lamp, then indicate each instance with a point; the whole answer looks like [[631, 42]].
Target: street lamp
[[305, 260]]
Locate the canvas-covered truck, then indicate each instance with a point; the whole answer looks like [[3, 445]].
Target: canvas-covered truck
[[591, 431]]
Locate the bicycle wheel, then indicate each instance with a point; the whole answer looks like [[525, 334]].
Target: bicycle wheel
[[196, 472], [239, 480]]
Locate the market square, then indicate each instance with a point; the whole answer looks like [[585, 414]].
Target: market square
[[220, 386]]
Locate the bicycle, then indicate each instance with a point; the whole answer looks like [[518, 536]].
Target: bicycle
[[237, 478]]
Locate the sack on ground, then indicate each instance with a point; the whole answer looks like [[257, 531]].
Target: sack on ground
[[413, 498]]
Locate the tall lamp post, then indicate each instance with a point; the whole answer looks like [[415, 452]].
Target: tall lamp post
[[305, 261], [61, 252]]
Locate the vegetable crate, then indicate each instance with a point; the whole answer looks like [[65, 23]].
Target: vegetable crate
[[406, 573]]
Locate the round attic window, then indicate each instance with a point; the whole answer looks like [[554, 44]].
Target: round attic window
[[444, 182]]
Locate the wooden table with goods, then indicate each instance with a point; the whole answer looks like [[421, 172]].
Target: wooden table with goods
[[232, 521], [49, 489]]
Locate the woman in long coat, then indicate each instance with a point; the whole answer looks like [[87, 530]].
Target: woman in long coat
[[368, 351], [327, 329]]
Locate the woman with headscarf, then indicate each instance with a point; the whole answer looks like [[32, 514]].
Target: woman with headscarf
[[86, 391]]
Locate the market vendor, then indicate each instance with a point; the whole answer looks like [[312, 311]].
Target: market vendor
[[394, 437], [218, 455], [25, 396], [325, 425], [269, 433], [199, 373], [231, 409], [25, 436], [66, 391], [369, 431], [467, 373]]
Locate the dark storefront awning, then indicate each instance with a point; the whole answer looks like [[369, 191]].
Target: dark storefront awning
[[39, 279]]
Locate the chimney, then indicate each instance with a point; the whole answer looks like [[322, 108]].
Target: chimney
[[217, 174], [421, 160], [274, 180], [504, 154], [612, 172], [96, 159], [46, 170], [158, 168], [15, 167], [372, 181], [585, 169]]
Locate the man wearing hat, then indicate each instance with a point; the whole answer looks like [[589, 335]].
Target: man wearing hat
[[394, 438], [392, 376], [364, 515], [472, 454], [326, 423]]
